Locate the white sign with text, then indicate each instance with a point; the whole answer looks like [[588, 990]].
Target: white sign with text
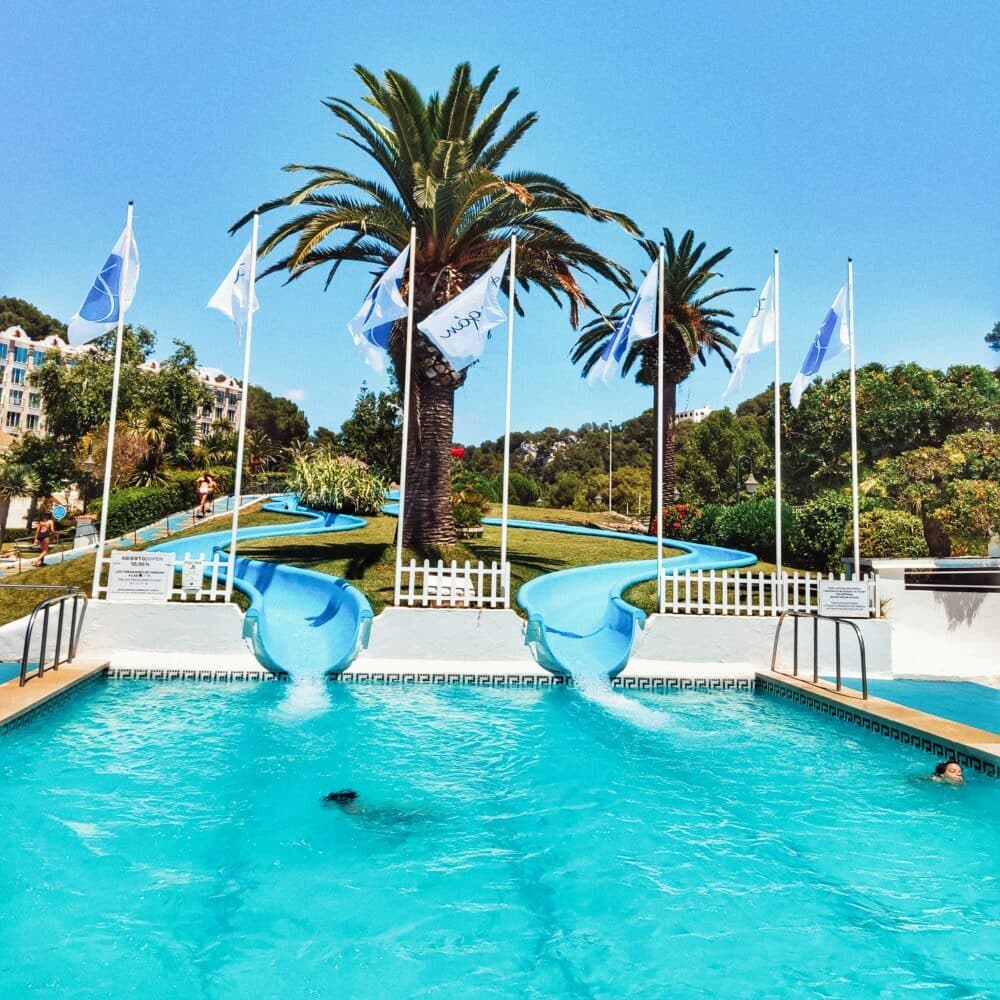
[[140, 576], [843, 598], [192, 575]]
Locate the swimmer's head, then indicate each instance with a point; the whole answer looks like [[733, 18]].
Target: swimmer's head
[[341, 798], [949, 770]]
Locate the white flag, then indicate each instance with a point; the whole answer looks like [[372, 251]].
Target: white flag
[[638, 323], [371, 327], [758, 335], [459, 328], [824, 345], [99, 312], [233, 295]]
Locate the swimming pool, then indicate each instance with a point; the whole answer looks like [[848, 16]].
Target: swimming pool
[[168, 840]]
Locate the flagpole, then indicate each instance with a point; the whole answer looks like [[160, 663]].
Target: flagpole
[[113, 417], [406, 414], [506, 426], [777, 413], [659, 436], [854, 421], [241, 439]]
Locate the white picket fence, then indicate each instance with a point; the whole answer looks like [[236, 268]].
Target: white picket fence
[[454, 585], [195, 578], [743, 592]]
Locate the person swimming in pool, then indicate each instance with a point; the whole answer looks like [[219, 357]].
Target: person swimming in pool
[[950, 772], [347, 801]]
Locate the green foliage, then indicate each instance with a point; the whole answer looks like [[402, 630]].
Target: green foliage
[[373, 433], [523, 489], [36, 324], [50, 462], [748, 525], [816, 535], [888, 534], [279, 418], [466, 481], [681, 521], [561, 492], [336, 484], [970, 514], [468, 509], [708, 456], [993, 337]]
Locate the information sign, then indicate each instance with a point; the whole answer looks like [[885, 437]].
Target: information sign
[[843, 598], [192, 575], [146, 577], [59, 512]]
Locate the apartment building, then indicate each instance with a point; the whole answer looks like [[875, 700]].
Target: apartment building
[[22, 408]]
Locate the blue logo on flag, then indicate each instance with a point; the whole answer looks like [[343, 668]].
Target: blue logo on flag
[[101, 305]]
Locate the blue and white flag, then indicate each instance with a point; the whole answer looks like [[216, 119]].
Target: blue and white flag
[[831, 340], [372, 326], [639, 323], [99, 312], [460, 327], [760, 333], [232, 297]]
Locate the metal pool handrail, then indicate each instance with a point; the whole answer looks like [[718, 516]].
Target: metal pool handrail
[[796, 615], [43, 609]]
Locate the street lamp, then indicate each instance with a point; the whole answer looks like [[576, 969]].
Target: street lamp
[[88, 467], [750, 484]]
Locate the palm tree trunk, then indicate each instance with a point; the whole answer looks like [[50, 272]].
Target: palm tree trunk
[[668, 456], [428, 516]]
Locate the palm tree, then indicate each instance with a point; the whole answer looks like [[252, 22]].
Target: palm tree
[[439, 162], [691, 326], [16, 480], [217, 447]]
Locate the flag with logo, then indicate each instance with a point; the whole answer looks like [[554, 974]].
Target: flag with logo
[[232, 298], [760, 333], [831, 340], [638, 323], [372, 325], [113, 290], [459, 329]]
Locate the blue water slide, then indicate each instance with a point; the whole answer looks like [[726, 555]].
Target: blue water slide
[[299, 622], [577, 619]]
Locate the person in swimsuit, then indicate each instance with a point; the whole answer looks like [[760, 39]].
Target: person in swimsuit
[[204, 487], [45, 535]]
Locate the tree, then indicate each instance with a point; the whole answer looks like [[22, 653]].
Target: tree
[[692, 326], [716, 456], [373, 433], [36, 324], [993, 337], [279, 418], [16, 480], [438, 161]]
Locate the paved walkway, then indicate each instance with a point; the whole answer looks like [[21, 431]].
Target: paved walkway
[[155, 532]]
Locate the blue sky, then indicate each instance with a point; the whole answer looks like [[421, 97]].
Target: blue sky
[[826, 130]]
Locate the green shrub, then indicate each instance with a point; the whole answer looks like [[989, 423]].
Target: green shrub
[[888, 534], [682, 521], [523, 490], [466, 480], [816, 540], [338, 485], [468, 509], [748, 525]]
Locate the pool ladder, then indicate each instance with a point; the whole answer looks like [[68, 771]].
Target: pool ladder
[[795, 616], [43, 612]]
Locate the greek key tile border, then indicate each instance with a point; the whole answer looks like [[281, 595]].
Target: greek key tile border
[[536, 680], [685, 683], [44, 707], [893, 730], [193, 674]]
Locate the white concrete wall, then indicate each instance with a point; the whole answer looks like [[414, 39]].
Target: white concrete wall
[[707, 640], [942, 634]]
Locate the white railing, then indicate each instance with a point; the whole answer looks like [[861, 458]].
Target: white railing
[[455, 585], [744, 592], [194, 578]]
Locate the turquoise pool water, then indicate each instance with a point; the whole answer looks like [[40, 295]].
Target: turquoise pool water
[[167, 839]]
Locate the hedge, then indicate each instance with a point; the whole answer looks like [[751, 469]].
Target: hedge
[[889, 534], [136, 506]]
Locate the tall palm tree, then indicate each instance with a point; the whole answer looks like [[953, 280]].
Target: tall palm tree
[[438, 160], [16, 480], [692, 326]]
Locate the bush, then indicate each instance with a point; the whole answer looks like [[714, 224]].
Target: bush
[[816, 540], [523, 490], [468, 509], [681, 521], [748, 525], [338, 485], [466, 480], [889, 534]]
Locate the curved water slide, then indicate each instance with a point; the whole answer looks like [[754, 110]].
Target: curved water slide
[[299, 621]]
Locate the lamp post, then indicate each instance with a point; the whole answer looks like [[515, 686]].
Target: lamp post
[[88, 468], [749, 484], [609, 467]]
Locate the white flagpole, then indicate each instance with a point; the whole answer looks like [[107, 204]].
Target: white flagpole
[[113, 417], [659, 436], [406, 414], [854, 420], [506, 426], [241, 440], [777, 414]]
